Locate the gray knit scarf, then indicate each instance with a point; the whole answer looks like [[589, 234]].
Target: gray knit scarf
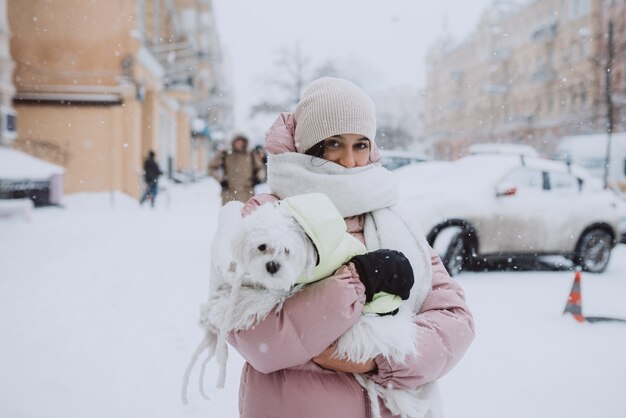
[[370, 190]]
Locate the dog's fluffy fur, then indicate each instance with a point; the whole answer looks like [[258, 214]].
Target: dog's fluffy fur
[[269, 235], [244, 286], [256, 262]]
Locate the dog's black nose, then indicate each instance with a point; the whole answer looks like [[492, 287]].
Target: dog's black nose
[[272, 267]]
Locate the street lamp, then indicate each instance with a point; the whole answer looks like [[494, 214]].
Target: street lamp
[[609, 102]]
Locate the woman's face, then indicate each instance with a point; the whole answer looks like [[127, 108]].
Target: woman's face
[[348, 150]]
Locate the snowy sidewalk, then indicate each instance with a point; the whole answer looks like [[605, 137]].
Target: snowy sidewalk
[[98, 308]]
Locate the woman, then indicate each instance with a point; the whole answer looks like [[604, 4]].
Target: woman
[[328, 145]]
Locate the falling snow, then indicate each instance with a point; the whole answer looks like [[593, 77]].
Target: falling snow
[[99, 307]]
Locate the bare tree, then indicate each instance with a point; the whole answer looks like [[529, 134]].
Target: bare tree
[[393, 137], [295, 66], [290, 75], [293, 71]]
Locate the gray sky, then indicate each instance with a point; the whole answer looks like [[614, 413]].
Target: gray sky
[[384, 41]]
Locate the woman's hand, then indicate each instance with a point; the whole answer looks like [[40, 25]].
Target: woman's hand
[[384, 271], [328, 361]]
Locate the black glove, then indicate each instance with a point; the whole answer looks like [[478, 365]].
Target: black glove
[[224, 184], [384, 271]]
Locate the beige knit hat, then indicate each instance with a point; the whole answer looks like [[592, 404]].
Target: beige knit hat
[[333, 106]]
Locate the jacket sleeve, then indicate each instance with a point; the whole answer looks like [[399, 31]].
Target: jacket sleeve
[[215, 167], [259, 168], [446, 329], [307, 324]]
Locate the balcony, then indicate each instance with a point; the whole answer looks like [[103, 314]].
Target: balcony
[[178, 59], [496, 89], [545, 33]]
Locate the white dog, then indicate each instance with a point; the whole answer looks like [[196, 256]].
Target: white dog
[[255, 263], [261, 260]]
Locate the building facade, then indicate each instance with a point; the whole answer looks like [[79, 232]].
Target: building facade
[[7, 89], [100, 83], [530, 73], [615, 16]]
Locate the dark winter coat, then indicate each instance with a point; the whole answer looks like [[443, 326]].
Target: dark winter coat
[[152, 172]]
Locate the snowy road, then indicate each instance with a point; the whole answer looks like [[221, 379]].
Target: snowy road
[[98, 308]]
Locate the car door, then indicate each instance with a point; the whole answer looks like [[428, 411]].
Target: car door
[[518, 224], [565, 209]]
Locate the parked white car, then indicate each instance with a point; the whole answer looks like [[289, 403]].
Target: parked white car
[[484, 207], [622, 211]]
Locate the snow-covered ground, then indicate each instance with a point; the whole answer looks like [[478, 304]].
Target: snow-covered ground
[[98, 307]]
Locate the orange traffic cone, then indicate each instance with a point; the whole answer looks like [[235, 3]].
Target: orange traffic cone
[[574, 301]]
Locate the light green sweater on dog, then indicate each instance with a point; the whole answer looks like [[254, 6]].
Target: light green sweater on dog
[[324, 225]]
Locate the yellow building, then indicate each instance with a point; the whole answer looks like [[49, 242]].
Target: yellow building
[[99, 84], [530, 73]]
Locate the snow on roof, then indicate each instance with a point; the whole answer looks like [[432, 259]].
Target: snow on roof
[[489, 165], [587, 146], [475, 171], [17, 165], [482, 168]]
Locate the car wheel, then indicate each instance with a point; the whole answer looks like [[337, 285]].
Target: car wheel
[[450, 245], [594, 251]]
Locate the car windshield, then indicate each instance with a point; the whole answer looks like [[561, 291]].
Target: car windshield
[[394, 159]]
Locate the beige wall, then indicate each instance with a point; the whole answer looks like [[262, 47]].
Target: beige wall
[[183, 134], [200, 154], [86, 140], [74, 49], [73, 57], [70, 42], [150, 123], [132, 157]]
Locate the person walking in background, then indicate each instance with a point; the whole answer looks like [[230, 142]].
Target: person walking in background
[[237, 171], [151, 174]]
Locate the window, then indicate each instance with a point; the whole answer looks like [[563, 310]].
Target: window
[[524, 179], [575, 8], [563, 182]]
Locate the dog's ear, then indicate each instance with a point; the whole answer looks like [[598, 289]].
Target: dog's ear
[[229, 222], [238, 245]]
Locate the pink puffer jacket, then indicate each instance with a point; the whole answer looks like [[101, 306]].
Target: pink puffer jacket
[[279, 378]]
